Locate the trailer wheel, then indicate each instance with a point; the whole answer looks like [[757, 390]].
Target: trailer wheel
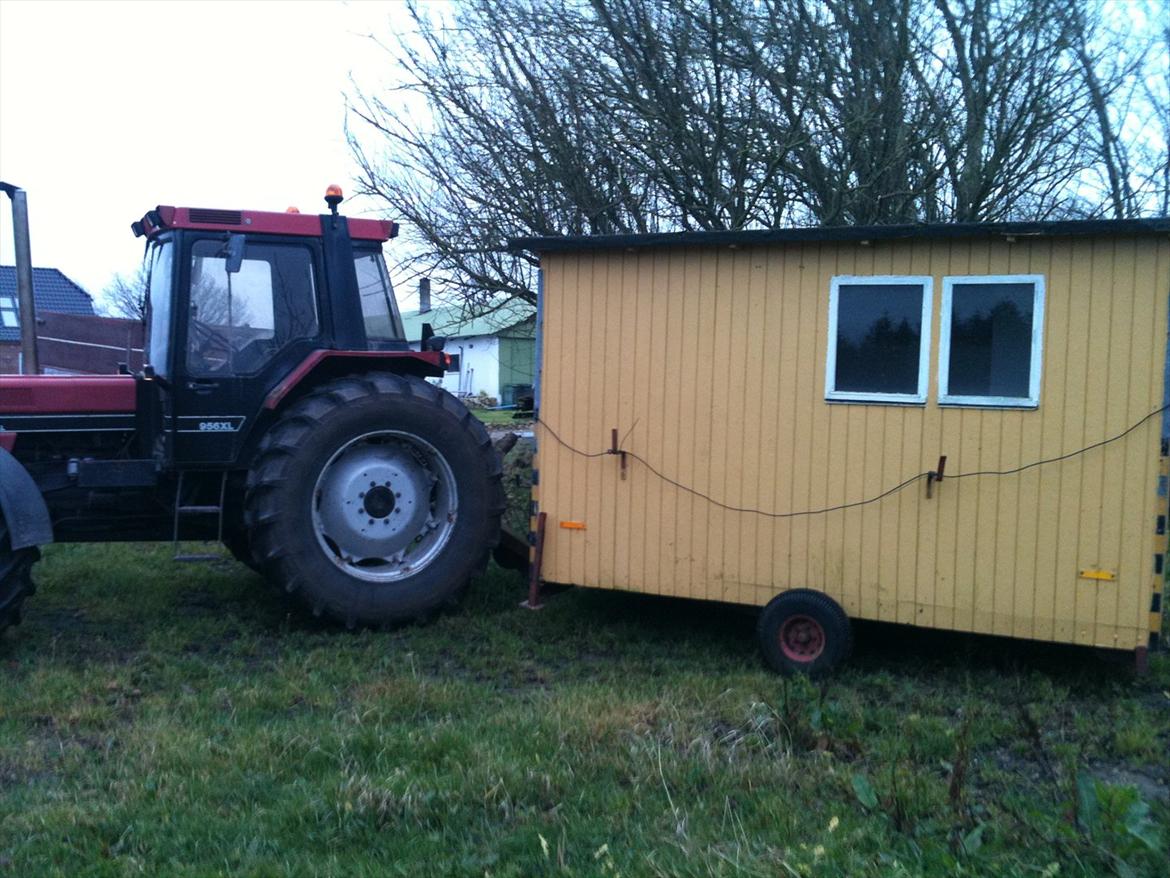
[[804, 631], [374, 500], [15, 577]]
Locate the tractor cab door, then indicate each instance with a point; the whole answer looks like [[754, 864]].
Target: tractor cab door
[[248, 317]]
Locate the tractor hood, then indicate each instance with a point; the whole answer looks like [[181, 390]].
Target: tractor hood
[[65, 395]]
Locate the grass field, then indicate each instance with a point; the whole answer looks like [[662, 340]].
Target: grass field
[[158, 719], [503, 419]]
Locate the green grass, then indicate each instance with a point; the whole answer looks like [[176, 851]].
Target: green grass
[[503, 419], [158, 719]]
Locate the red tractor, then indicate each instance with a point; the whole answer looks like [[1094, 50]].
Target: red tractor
[[281, 411]]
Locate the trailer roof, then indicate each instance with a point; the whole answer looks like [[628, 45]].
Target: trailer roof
[[1070, 228]]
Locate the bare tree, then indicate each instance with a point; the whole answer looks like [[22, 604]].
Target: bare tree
[[511, 146], [125, 295], [609, 116]]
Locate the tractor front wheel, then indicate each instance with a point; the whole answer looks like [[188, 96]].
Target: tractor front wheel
[[15, 577], [374, 499]]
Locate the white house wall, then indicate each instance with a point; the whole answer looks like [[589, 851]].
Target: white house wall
[[479, 363]]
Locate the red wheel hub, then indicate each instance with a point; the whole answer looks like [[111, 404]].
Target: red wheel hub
[[802, 639]]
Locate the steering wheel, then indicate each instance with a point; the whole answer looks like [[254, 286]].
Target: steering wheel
[[212, 347]]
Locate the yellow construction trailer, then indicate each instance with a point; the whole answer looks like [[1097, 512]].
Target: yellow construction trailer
[[960, 427]]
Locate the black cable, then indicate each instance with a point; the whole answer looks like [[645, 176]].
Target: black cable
[[1020, 469], [718, 503], [899, 487], [576, 451]]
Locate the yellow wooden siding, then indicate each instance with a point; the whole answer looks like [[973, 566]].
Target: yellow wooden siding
[[710, 363]]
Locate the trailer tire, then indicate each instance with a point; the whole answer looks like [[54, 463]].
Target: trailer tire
[[15, 577], [804, 632], [433, 502]]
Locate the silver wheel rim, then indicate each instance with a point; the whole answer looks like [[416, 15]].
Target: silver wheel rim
[[384, 506]]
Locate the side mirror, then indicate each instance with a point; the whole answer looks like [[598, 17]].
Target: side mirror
[[233, 253], [430, 341]]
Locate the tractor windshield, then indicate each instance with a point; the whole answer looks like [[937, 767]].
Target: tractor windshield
[[159, 267], [379, 309]]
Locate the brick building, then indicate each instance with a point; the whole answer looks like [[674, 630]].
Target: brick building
[[70, 337]]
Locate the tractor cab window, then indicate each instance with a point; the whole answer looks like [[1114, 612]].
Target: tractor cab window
[[160, 262], [379, 309], [239, 321]]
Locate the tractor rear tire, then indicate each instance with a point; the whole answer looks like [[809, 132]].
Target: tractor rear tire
[[15, 577], [374, 500], [237, 543]]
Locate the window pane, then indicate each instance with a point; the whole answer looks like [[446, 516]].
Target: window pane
[[272, 301], [378, 306], [8, 311], [158, 343], [991, 339], [879, 337]]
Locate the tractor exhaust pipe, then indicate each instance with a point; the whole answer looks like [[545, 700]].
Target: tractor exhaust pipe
[[26, 303]]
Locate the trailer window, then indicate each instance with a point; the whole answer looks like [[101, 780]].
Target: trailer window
[[990, 343], [879, 339]]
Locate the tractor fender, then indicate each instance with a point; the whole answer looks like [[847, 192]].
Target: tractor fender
[[321, 365], [22, 505]]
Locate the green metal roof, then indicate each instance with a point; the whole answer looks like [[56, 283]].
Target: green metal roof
[[457, 321]]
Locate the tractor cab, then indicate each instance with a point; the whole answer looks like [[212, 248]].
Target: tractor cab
[[238, 301]]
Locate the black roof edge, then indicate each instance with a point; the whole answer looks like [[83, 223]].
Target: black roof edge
[[922, 231]]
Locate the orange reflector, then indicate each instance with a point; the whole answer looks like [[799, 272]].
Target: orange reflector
[[573, 525], [333, 189], [1102, 575]]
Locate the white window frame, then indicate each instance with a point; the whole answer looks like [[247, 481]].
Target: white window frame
[[1032, 400], [919, 398]]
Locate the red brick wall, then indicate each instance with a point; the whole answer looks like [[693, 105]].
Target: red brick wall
[[80, 343]]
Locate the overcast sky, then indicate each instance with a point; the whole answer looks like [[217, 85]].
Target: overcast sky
[[110, 108]]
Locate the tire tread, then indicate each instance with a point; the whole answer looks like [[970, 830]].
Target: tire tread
[[278, 451]]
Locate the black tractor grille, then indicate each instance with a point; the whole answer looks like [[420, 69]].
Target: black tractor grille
[[216, 217]]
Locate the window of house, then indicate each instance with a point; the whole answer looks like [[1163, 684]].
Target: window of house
[[990, 341], [879, 339], [8, 312]]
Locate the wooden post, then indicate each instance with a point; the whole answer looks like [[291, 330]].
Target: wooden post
[[533, 602]]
